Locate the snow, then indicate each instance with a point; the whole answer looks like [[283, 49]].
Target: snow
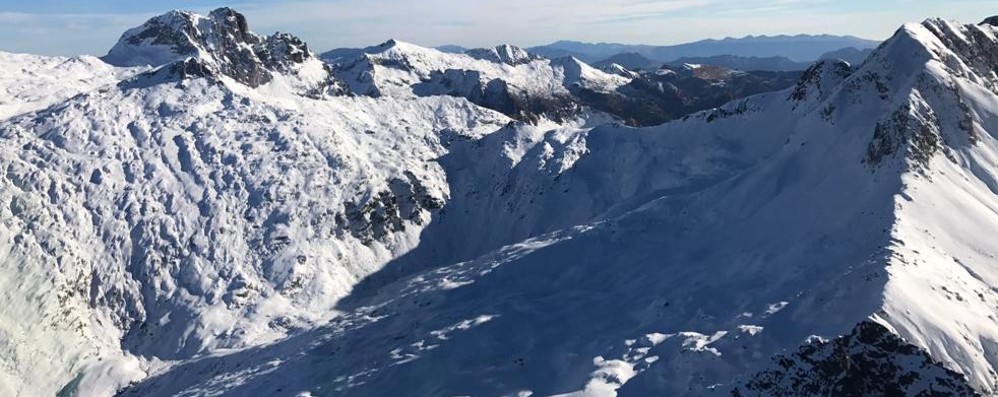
[[153, 50], [394, 67], [32, 82], [207, 237], [157, 156], [508, 54]]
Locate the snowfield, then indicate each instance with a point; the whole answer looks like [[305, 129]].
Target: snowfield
[[32, 82], [223, 213]]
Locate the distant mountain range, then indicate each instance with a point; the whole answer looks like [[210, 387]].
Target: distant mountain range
[[766, 53], [800, 48], [452, 49], [635, 61], [205, 211]]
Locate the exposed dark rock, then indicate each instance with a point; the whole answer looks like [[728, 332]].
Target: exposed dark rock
[[221, 42], [974, 48], [870, 361], [497, 95], [904, 130], [649, 99], [388, 211], [675, 93], [172, 73], [819, 79]]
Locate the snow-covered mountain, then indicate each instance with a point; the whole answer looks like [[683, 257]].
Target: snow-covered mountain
[[30, 82], [505, 78], [219, 42], [223, 214], [533, 89], [183, 210]]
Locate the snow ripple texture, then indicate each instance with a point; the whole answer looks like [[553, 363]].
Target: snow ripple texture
[[171, 227]]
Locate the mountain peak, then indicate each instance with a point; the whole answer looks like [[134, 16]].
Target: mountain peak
[[396, 46], [993, 21], [221, 39], [505, 53], [396, 43]]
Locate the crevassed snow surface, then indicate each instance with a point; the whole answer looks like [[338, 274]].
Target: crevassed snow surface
[[201, 237]]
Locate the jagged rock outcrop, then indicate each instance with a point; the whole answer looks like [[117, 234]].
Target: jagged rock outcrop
[[817, 82], [407, 201], [183, 233], [220, 42], [870, 361]]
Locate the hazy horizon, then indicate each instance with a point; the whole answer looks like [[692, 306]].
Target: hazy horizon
[[63, 27]]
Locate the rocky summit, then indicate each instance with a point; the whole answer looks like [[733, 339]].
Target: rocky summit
[[221, 40], [209, 212]]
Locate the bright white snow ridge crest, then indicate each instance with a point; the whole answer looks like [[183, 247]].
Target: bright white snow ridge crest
[[210, 212]]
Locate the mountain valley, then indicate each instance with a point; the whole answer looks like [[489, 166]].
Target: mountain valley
[[206, 211]]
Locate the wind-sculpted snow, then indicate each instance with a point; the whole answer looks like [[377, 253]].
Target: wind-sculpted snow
[[648, 293], [692, 271], [187, 232], [30, 82], [167, 219]]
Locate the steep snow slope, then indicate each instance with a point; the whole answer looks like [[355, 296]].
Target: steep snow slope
[[850, 214], [203, 217], [182, 211], [230, 224], [943, 288], [679, 284]]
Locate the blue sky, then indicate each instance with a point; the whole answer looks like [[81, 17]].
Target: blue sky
[[68, 27]]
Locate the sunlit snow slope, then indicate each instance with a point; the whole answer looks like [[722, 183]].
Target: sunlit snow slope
[[243, 220]]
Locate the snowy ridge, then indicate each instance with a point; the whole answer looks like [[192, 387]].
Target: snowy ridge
[[538, 91], [616, 69], [392, 68], [508, 54], [197, 231], [952, 144], [32, 82], [677, 285]]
